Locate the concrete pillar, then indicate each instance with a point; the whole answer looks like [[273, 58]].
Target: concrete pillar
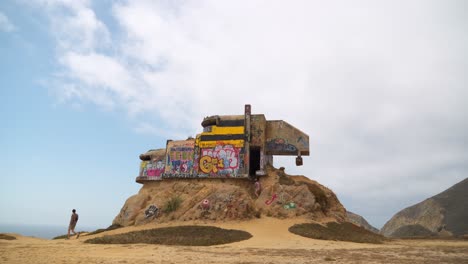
[[247, 113]]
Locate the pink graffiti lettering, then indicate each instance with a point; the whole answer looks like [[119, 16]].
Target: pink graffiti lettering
[[273, 198]]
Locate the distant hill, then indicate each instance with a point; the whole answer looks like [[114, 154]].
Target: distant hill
[[443, 214], [360, 221], [413, 231]]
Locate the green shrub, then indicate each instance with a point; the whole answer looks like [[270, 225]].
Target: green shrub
[[172, 204]]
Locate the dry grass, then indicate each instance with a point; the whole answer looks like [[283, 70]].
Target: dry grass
[[180, 235], [337, 231], [7, 237], [111, 227], [172, 204], [409, 231]]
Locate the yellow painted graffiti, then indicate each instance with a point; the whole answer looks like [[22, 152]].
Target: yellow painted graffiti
[[210, 144], [209, 164], [216, 130]]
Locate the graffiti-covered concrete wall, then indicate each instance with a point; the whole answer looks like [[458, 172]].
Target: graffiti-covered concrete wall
[[233, 146], [284, 139], [179, 158], [152, 165], [221, 160]]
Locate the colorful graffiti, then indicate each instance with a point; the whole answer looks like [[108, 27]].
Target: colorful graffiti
[[205, 205], [280, 145], [179, 160], [222, 160], [152, 169], [156, 170], [273, 198], [212, 144], [290, 205], [151, 211], [209, 164]]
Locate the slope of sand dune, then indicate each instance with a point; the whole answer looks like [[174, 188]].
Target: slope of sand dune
[[271, 243]]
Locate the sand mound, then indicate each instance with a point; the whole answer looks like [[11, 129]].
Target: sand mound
[[282, 196]]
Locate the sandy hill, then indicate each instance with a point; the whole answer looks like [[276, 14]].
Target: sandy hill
[[444, 214], [360, 221], [281, 196]]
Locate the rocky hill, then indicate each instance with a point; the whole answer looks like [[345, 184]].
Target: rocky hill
[[360, 221], [281, 196], [445, 214]]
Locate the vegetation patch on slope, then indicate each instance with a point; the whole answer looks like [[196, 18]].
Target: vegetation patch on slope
[[111, 227], [337, 231], [7, 237], [179, 235], [100, 230], [410, 231]]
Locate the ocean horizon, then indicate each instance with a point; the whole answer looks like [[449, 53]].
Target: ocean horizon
[[41, 231]]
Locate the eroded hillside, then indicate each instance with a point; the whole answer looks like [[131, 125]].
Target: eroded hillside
[[281, 196]]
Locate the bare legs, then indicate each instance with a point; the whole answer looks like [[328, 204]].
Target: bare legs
[[72, 229]]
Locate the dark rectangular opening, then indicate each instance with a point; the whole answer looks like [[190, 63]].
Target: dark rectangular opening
[[254, 161]]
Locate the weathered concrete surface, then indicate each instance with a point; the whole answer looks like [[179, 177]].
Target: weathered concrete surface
[[282, 196]]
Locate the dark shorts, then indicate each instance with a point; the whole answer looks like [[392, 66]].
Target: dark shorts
[[72, 226]]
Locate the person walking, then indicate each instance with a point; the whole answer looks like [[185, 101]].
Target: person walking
[[73, 221], [258, 187]]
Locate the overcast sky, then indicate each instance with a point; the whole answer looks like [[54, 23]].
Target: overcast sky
[[86, 86]]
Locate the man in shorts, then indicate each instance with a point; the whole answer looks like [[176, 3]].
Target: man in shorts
[[73, 221]]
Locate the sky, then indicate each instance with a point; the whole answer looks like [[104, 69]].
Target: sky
[[86, 86]]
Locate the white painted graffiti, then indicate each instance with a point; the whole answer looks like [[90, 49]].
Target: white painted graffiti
[[223, 159]]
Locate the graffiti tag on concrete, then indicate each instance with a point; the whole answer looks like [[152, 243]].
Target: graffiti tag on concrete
[[223, 159], [151, 211], [154, 168], [179, 160], [209, 164], [280, 145]]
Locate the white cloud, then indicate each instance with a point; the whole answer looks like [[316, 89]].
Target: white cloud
[[5, 24], [75, 25], [381, 89], [101, 72]]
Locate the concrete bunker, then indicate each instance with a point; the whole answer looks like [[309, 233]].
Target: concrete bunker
[[231, 146]]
